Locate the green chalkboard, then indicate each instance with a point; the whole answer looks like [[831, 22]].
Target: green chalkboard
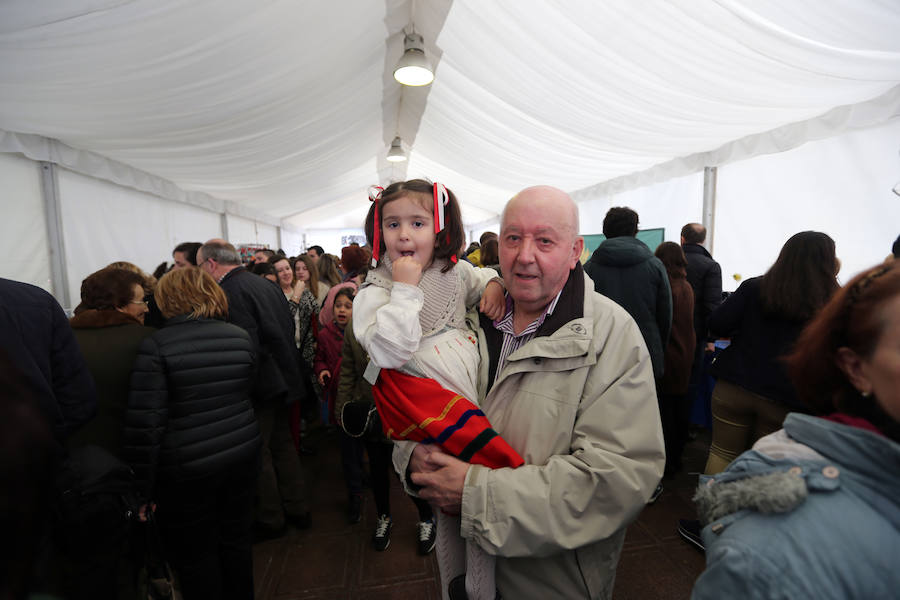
[[651, 237]]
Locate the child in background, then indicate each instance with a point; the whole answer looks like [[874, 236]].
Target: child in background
[[410, 317], [354, 409], [327, 366]]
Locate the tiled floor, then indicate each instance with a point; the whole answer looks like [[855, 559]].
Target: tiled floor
[[335, 560]]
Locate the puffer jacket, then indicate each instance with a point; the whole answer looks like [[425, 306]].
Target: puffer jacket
[[578, 403], [189, 411], [813, 511], [624, 270]]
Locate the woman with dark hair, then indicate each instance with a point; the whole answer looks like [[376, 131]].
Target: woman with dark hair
[[191, 436], [763, 319], [109, 327], [265, 270], [490, 255], [672, 387], [813, 511]]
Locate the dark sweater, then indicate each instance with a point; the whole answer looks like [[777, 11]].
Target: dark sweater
[[189, 411], [758, 341]]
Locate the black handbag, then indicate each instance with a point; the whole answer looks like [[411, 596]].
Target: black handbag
[[360, 419], [158, 578]]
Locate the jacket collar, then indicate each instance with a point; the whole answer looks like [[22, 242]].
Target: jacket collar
[[695, 249], [231, 273]]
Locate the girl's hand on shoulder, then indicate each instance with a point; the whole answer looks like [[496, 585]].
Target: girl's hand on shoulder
[[493, 302], [299, 287], [407, 270], [324, 376]]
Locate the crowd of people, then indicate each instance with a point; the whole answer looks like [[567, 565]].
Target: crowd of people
[[530, 406]]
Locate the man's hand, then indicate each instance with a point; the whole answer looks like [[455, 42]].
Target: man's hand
[[443, 485], [493, 302], [406, 269]]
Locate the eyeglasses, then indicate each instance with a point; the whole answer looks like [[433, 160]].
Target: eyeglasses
[[144, 302]]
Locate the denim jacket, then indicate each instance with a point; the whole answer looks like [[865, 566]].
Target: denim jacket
[[813, 511]]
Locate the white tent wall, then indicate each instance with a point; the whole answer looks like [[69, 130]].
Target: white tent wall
[[23, 229], [291, 241], [246, 231], [331, 240], [840, 186], [668, 204], [104, 222]]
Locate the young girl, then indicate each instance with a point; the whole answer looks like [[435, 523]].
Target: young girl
[[334, 318], [410, 316]]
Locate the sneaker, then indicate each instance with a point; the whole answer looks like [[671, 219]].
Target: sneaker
[[427, 534], [354, 508], [382, 537], [656, 493], [689, 529]]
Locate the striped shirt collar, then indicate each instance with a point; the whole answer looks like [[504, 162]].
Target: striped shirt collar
[[511, 341]]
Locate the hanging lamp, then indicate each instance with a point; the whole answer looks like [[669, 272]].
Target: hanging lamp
[[396, 154], [413, 67]]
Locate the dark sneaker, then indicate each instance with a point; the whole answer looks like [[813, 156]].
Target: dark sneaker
[[656, 493], [427, 534], [382, 537], [689, 529], [354, 508]]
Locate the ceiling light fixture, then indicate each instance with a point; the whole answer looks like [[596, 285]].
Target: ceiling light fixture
[[413, 67], [396, 154]]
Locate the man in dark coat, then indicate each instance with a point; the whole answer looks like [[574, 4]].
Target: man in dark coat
[[705, 276], [261, 309], [35, 334], [624, 270], [39, 353]]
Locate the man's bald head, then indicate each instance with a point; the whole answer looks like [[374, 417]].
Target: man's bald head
[[551, 198]]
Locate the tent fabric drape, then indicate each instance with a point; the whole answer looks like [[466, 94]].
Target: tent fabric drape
[[288, 107]]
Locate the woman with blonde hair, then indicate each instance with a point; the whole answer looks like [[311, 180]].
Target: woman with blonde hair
[[191, 436], [328, 270]]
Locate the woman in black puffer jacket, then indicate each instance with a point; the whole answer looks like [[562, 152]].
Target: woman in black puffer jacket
[[192, 439]]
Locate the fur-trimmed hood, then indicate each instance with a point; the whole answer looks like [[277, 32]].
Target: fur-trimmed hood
[[95, 319]]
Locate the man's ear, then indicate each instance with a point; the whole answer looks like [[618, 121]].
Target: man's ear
[[577, 249], [852, 365]]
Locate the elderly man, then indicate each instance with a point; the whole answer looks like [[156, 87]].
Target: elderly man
[[567, 381], [261, 309]]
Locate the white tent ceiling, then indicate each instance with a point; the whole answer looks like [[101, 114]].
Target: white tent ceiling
[[288, 107]]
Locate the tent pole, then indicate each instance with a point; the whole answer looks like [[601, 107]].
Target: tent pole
[[50, 192], [709, 205], [224, 219]]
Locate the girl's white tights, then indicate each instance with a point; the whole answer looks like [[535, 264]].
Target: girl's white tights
[[457, 556]]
